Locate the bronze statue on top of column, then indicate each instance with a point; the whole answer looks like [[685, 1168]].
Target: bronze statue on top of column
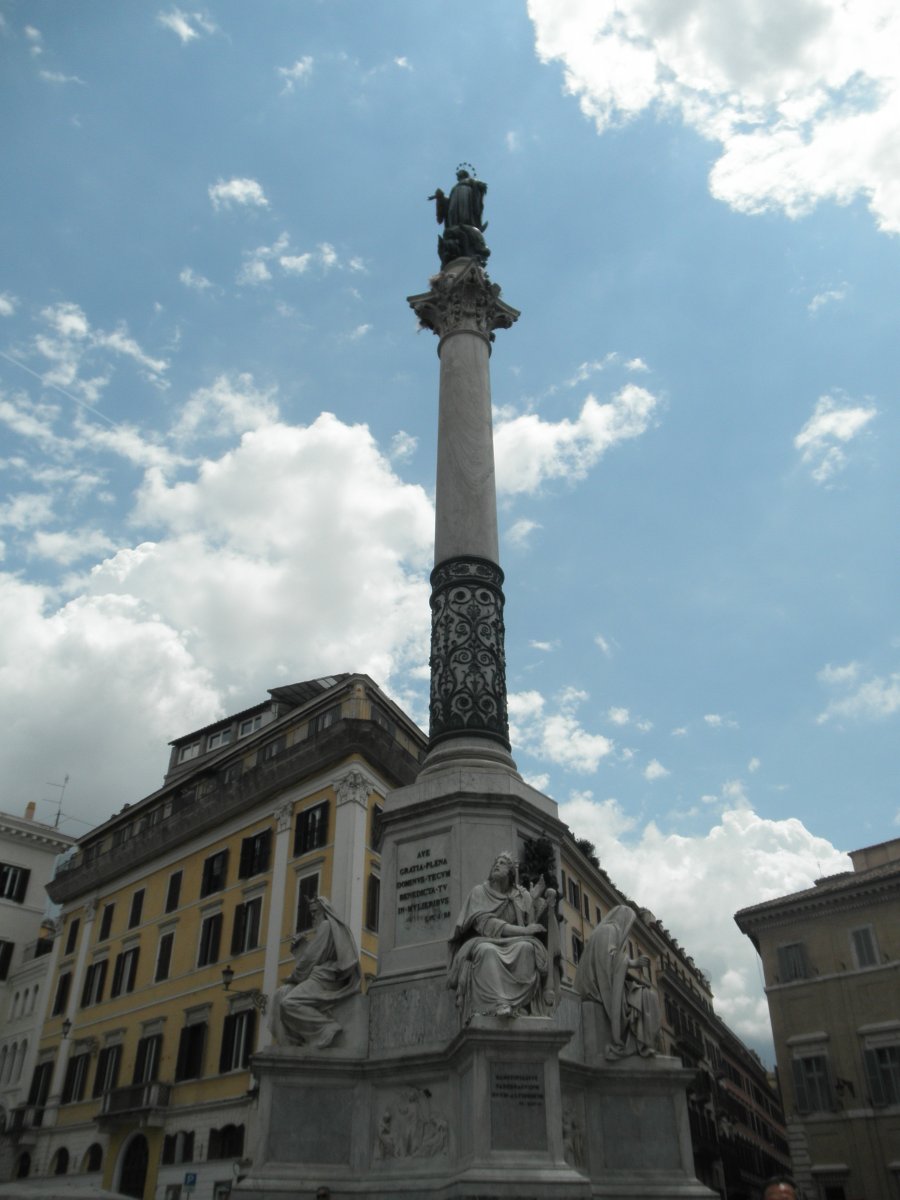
[[461, 215]]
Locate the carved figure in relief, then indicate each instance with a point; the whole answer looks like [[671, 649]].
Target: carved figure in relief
[[573, 1139], [406, 1129], [461, 215], [505, 956], [326, 970], [621, 984]]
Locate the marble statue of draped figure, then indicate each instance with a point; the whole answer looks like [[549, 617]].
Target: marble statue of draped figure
[[505, 957], [326, 970], [606, 974]]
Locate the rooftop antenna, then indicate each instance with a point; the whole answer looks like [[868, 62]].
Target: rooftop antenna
[[62, 792]]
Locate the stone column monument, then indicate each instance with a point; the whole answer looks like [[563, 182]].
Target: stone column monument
[[466, 1070]]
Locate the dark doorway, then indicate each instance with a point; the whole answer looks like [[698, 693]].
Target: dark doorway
[[134, 1167]]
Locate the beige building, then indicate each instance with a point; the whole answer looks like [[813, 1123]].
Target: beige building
[[28, 853], [831, 958]]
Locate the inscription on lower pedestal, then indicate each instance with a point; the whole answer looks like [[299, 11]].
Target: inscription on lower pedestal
[[423, 889], [518, 1114]]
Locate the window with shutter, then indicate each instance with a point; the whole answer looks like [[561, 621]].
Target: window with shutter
[[76, 1078], [94, 982], [106, 922], [125, 971], [164, 956], [146, 1061], [237, 1040], [173, 892], [245, 932], [107, 1075], [864, 947], [307, 891], [812, 1084], [312, 828], [137, 908], [255, 854], [210, 935], [191, 1045], [215, 871], [13, 882], [883, 1074], [61, 999], [72, 935], [792, 963], [6, 953]]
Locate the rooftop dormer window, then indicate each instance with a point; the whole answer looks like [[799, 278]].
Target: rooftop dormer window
[[186, 753], [220, 738]]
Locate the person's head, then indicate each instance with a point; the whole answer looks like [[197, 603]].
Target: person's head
[[503, 869], [780, 1187]]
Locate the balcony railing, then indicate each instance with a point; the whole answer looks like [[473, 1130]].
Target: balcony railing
[[26, 1116], [137, 1098]]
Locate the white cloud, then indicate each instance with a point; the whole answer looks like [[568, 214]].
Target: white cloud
[[519, 533], [242, 192], [35, 39], [25, 510], [742, 860], [187, 26], [229, 406], [845, 674], [717, 721], [190, 279], [59, 77], [636, 364], [822, 439], [864, 699], [544, 647], [557, 735], [802, 99], [513, 141], [830, 296], [359, 332], [753, 765], [655, 770], [253, 272], [529, 451], [298, 73], [327, 255], [619, 716], [603, 644], [402, 62], [69, 343], [295, 264], [403, 446], [8, 304], [269, 546], [69, 546]]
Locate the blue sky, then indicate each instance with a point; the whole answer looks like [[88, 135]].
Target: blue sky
[[218, 418]]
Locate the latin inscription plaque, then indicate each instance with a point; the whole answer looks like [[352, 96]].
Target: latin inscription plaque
[[423, 889], [518, 1117]]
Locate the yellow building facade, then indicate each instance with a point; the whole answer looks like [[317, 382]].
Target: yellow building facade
[[142, 1082]]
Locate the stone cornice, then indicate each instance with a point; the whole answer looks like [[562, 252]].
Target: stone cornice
[[855, 891]]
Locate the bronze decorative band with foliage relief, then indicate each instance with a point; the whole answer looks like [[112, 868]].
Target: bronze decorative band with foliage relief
[[468, 662]]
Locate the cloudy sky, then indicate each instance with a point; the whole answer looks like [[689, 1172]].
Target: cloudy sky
[[218, 417]]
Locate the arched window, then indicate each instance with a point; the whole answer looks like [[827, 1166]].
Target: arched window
[[23, 1166], [17, 1000], [227, 1142], [60, 1163], [93, 1158]]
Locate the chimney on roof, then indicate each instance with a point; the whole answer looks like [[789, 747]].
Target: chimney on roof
[[29, 810]]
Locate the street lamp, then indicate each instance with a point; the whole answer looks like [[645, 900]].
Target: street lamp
[[260, 999]]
